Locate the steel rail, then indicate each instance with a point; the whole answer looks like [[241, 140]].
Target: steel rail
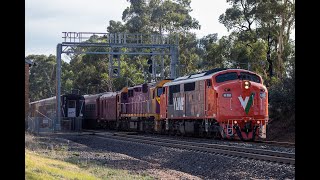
[[260, 154]]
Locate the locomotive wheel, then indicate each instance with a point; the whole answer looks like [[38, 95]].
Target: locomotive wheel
[[217, 136]]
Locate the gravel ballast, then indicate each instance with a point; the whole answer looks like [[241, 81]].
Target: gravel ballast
[[165, 163]]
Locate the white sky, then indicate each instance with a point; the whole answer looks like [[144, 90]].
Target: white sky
[[45, 20]]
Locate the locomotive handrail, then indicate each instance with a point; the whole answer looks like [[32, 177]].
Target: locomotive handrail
[[135, 106]]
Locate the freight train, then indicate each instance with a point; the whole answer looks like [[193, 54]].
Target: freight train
[[219, 103], [72, 110]]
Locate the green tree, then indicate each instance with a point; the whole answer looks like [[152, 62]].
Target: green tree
[[115, 27], [189, 54], [43, 77], [270, 21], [159, 16], [215, 52]]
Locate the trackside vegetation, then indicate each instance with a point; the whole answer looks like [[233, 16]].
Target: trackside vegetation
[[45, 162]]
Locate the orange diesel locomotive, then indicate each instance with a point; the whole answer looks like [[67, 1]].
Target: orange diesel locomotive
[[227, 103]]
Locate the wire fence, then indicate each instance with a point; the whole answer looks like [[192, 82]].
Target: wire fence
[[38, 125]]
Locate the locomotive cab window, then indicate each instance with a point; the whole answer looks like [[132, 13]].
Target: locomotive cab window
[[226, 77], [130, 93], [208, 82], [137, 89], [189, 86], [249, 76], [144, 88], [173, 89], [124, 96], [159, 92], [71, 104]]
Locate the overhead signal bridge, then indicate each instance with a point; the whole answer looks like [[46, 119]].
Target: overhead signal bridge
[[111, 44]]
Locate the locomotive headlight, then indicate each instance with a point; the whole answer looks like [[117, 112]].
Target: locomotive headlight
[[227, 95], [258, 122], [235, 122], [262, 94], [246, 84]]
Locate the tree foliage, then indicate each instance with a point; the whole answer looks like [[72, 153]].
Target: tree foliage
[[43, 77], [271, 21], [158, 16]]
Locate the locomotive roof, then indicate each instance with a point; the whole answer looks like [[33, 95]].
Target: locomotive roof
[[91, 96], [151, 84], [54, 97], [198, 76], [109, 94], [47, 99]]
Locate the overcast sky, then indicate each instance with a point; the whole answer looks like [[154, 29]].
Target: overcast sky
[[47, 19]]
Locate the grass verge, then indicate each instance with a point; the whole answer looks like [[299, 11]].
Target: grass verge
[[58, 163], [39, 167]]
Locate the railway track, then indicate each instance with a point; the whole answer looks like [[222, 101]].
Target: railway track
[[251, 153], [259, 142], [286, 144]]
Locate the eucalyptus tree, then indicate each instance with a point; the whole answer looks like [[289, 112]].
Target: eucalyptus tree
[[214, 51], [43, 77], [270, 21], [159, 16]]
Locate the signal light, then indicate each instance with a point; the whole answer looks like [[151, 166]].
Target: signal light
[[150, 58], [150, 63], [150, 69], [116, 55], [116, 72]]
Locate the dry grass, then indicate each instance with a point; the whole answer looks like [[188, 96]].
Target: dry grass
[[48, 160], [38, 167]]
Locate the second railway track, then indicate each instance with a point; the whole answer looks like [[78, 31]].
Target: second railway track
[[251, 153]]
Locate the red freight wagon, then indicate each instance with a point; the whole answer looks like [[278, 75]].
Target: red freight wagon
[[108, 109]]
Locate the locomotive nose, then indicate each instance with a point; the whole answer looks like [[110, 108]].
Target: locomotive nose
[[243, 106]]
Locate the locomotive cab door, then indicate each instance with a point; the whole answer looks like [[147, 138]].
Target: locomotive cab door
[[71, 108], [210, 98]]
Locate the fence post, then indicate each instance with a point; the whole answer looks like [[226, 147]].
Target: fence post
[[38, 126]]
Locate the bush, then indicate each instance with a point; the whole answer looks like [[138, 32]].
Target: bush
[[282, 109]]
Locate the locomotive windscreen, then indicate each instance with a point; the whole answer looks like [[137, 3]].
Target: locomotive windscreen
[[173, 89], [249, 76], [159, 92], [226, 77]]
